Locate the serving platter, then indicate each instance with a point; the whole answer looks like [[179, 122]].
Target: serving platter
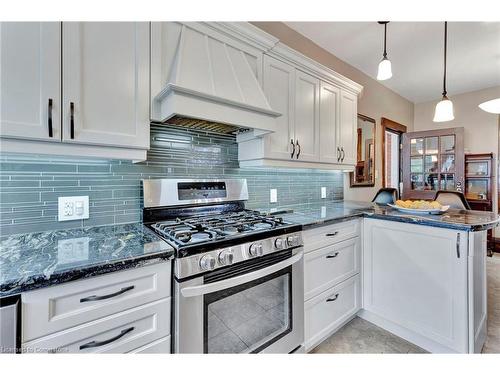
[[433, 211]]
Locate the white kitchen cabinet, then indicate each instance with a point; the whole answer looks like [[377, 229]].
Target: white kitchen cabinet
[[317, 128], [306, 117], [347, 127], [96, 102], [106, 83], [329, 120], [279, 86], [30, 84], [119, 333], [332, 287], [415, 282], [61, 307], [330, 310], [326, 267]]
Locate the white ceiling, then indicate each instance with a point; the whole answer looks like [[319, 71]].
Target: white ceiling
[[416, 52]]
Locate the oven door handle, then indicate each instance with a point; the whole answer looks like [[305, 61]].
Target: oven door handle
[[193, 291]]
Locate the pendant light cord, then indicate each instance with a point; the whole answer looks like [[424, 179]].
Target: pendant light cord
[[445, 47], [385, 40]]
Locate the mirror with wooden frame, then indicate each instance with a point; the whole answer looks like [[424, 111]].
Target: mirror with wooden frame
[[364, 171]]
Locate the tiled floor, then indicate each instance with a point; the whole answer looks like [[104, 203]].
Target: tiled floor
[[492, 344], [360, 336]]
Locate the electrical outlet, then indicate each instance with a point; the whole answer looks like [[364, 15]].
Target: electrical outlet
[[73, 208], [323, 192], [273, 197]]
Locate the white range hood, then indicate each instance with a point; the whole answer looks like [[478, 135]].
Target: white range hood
[[208, 75]]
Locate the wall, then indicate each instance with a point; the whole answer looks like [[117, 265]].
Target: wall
[[481, 128], [376, 100], [31, 184]]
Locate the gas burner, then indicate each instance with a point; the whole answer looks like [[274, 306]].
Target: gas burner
[[207, 228]]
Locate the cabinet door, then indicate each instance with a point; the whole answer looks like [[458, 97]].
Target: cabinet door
[[329, 113], [30, 71], [306, 117], [279, 89], [416, 277], [106, 83], [347, 127]]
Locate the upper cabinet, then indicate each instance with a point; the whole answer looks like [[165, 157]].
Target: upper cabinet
[[317, 128], [106, 83], [347, 127], [30, 84], [96, 103]]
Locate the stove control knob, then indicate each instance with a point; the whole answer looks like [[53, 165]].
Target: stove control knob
[[256, 250], [293, 240], [207, 262], [279, 243], [226, 257]]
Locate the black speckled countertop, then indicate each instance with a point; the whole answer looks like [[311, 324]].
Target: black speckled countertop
[[35, 260], [317, 214]]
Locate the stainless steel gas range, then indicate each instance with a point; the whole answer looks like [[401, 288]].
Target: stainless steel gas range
[[238, 275]]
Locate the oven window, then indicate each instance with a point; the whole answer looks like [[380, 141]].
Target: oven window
[[249, 317]]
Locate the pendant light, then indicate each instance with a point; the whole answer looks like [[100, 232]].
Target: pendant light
[[444, 109], [491, 106], [384, 68]]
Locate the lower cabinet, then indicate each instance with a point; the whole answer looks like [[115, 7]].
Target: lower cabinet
[[120, 312], [330, 310], [332, 287], [415, 284], [119, 333]]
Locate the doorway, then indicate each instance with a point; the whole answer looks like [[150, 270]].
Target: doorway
[[392, 138]]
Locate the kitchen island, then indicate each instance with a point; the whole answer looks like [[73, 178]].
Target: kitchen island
[[423, 277]]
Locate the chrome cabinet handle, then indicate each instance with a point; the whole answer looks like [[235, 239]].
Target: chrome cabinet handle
[[72, 119], [338, 154], [293, 148], [332, 255], [332, 234], [49, 119], [94, 344], [334, 298], [298, 152], [98, 298], [343, 154]]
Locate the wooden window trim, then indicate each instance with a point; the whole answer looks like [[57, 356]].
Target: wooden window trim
[[395, 127]]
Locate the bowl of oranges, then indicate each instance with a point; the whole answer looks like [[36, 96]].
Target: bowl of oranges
[[419, 206]]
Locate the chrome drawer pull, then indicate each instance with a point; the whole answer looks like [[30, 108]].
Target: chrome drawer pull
[[98, 298], [334, 298], [94, 344], [332, 234], [332, 255]]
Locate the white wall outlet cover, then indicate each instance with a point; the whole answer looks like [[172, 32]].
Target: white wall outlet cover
[[376, 173], [323, 192], [273, 196], [73, 208]]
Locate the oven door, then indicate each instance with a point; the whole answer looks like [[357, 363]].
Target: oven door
[[253, 307]]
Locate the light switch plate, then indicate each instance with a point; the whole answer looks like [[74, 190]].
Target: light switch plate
[[273, 196], [73, 208], [323, 192]]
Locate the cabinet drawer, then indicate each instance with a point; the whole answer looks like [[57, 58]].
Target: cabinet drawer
[[330, 310], [323, 236], [330, 265], [118, 333], [161, 346], [60, 307]]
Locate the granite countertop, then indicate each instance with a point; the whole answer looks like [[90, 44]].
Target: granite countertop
[[316, 214], [35, 260]]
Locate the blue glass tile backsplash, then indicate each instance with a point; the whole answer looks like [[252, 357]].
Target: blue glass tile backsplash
[[30, 184]]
